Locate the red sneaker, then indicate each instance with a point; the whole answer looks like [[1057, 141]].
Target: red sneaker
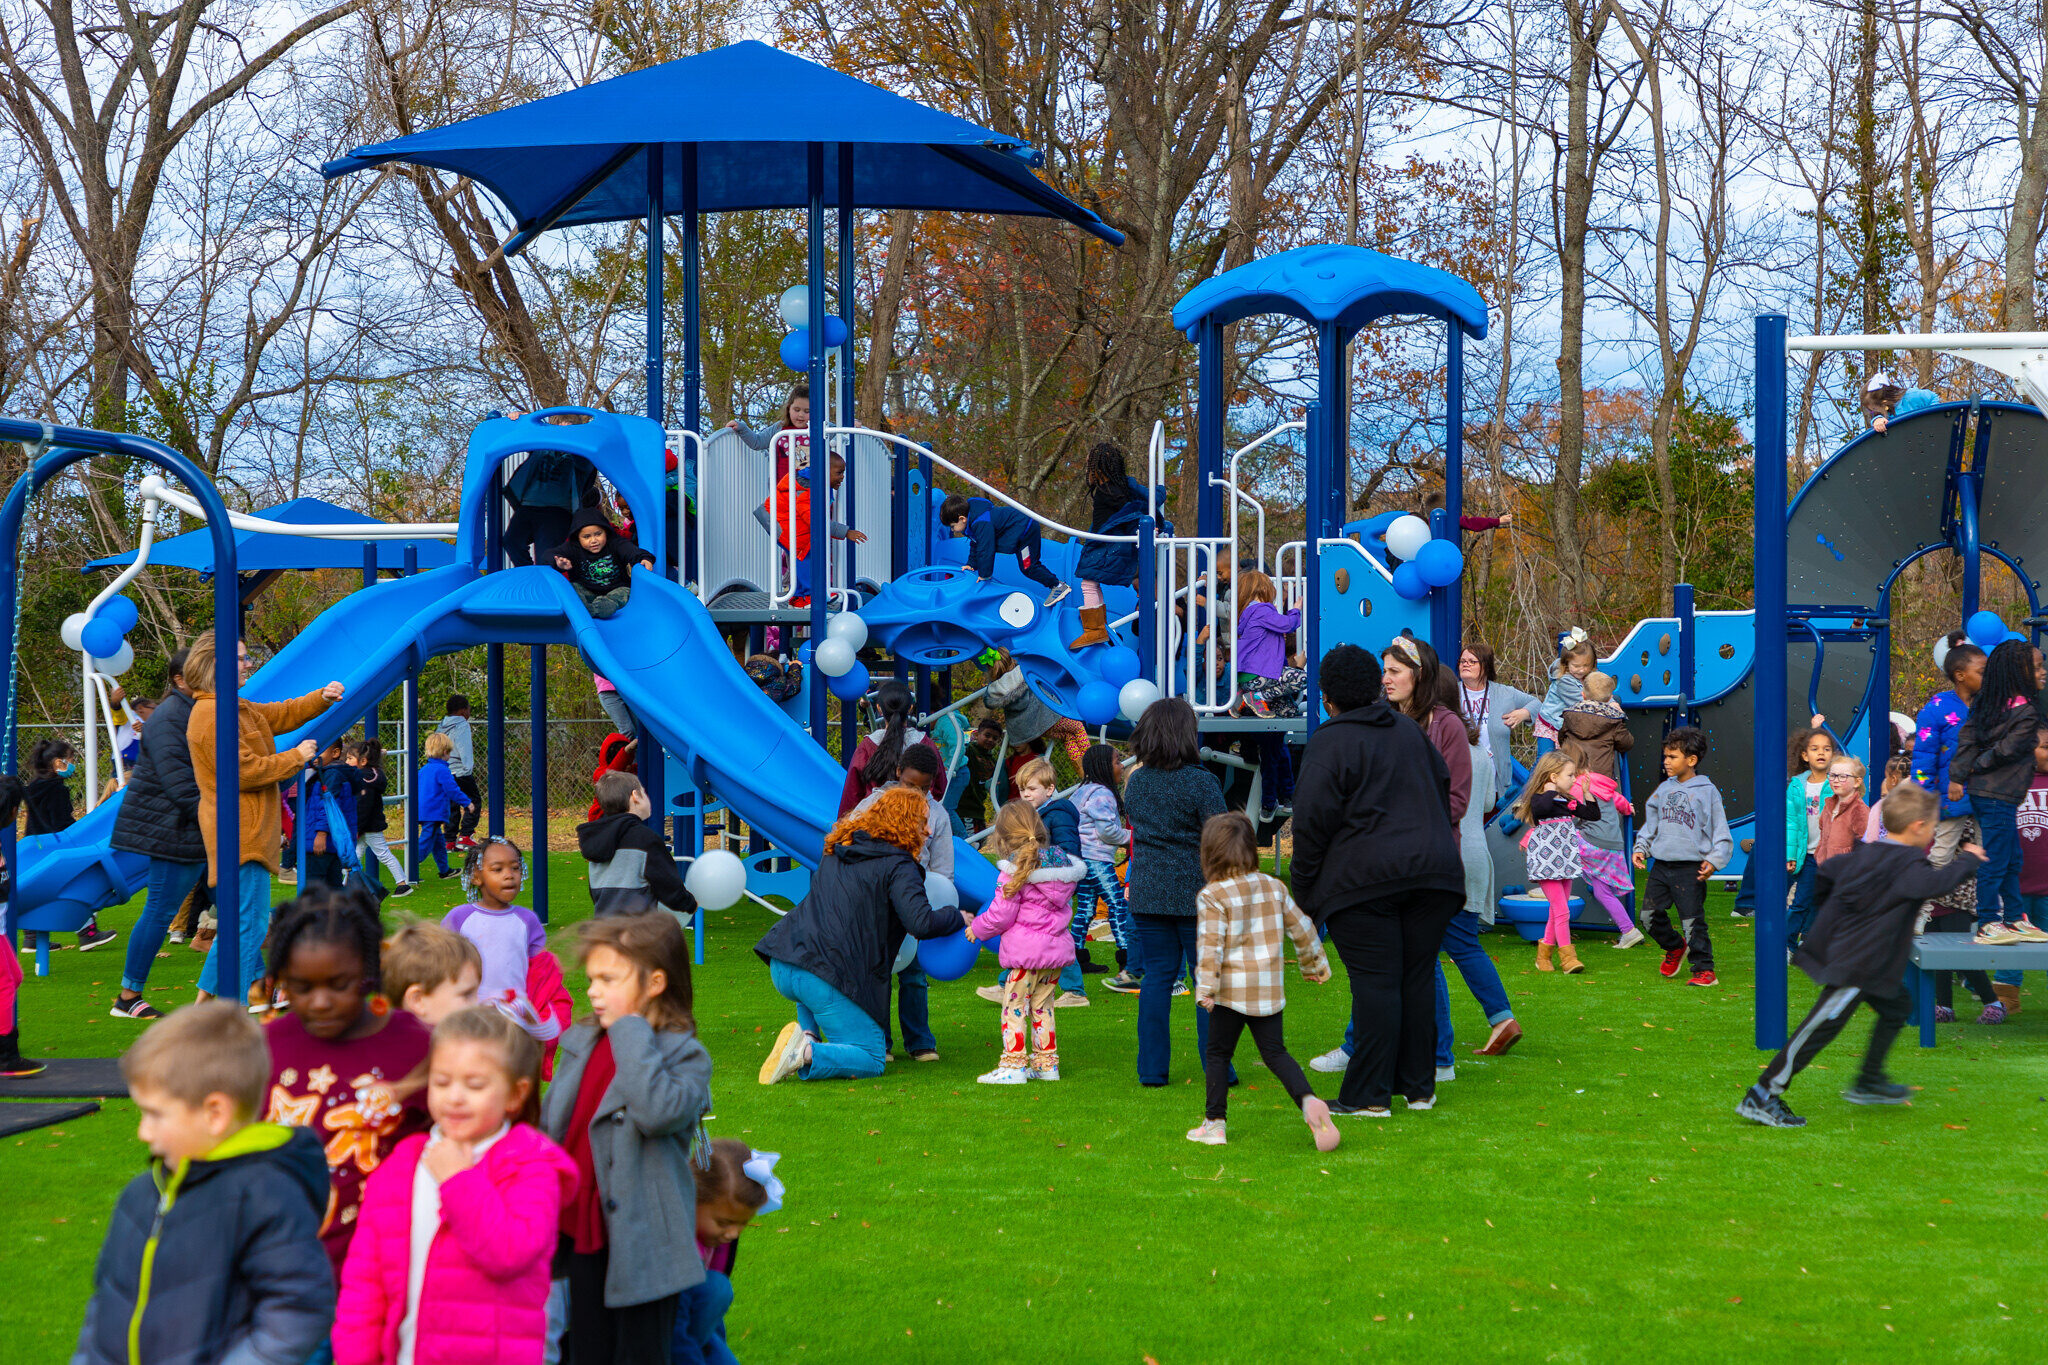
[[1671, 961], [1704, 979]]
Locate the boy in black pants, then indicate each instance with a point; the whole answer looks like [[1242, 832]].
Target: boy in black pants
[[1869, 901], [1684, 838]]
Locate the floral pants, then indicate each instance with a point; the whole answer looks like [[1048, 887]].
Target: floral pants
[[1027, 1017]]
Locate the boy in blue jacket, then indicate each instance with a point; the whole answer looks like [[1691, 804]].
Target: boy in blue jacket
[[439, 795], [214, 1253], [992, 530]]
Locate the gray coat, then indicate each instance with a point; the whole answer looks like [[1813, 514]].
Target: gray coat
[[1500, 699], [640, 1141], [1168, 810]]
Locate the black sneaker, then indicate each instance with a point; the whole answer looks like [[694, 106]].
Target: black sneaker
[[1878, 1092], [1769, 1110], [21, 1067], [1345, 1111], [402, 889], [1095, 968], [93, 937], [138, 1008]]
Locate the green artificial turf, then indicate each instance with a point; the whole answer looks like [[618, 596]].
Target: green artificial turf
[[1590, 1197]]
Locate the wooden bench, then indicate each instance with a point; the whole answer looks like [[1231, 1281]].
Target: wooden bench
[[1959, 953]]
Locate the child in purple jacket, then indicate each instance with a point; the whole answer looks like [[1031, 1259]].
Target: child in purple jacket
[[1032, 909], [1262, 630]]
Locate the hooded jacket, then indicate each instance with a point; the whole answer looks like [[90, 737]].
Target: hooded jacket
[[160, 807], [1115, 512], [631, 871], [218, 1261], [1594, 735], [438, 794], [1869, 900], [1372, 814], [1035, 920], [864, 897], [612, 566], [1995, 760], [1936, 732]]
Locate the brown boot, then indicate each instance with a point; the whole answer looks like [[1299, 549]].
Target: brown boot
[[1568, 960], [1543, 952], [1094, 628], [2008, 996]]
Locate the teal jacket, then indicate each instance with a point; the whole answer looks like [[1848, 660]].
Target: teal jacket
[[1795, 819]]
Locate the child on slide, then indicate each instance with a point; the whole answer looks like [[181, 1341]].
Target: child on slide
[[599, 562]]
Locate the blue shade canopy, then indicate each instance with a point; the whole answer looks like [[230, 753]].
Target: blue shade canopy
[[1346, 285], [750, 111], [269, 552]]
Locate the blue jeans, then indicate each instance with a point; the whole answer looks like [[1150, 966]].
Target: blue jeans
[[169, 883], [1800, 913], [431, 838], [855, 1044], [914, 1009], [1167, 943], [253, 898], [700, 1323], [955, 789], [1998, 880]]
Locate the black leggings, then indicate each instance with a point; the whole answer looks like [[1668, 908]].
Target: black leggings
[[638, 1334], [1979, 983], [1225, 1024]]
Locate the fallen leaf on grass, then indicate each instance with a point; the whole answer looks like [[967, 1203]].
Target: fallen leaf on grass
[[1736, 1299], [1958, 1127]]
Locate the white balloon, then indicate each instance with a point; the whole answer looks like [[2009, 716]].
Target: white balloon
[[717, 879], [795, 305], [905, 955], [1407, 535], [1940, 647], [849, 627], [1136, 695], [834, 658], [117, 663], [68, 632], [941, 892]]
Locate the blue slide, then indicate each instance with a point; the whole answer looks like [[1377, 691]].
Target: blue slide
[[662, 652]]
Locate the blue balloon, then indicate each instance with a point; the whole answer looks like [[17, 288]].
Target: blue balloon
[[1440, 562], [2016, 635], [1097, 704], [948, 958], [121, 611], [1985, 630], [835, 331], [1409, 582], [796, 350], [101, 638], [851, 685], [1117, 664]]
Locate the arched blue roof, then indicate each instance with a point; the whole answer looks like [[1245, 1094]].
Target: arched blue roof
[[1347, 285]]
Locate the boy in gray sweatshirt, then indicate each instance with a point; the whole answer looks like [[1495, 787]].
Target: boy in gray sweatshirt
[[1683, 840]]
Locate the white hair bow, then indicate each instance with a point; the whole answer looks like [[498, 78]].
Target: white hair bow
[[760, 1168], [1576, 636]]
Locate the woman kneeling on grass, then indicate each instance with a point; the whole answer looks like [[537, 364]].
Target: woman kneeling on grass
[[833, 954]]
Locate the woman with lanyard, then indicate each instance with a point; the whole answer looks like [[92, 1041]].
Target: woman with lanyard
[[1493, 708]]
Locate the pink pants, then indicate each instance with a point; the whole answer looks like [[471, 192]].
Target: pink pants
[[1559, 928], [1091, 593], [10, 984]]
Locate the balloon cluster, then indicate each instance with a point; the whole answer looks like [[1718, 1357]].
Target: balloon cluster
[[1425, 562], [1987, 631], [795, 307], [1102, 700], [837, 656], [103, 635]]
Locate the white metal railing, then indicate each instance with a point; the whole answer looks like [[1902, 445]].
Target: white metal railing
[[781, 575], [688, 447], [1292, 587], [153, 487], [988, 489]]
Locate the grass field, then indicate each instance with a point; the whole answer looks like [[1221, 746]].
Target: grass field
[[1590, 1197]]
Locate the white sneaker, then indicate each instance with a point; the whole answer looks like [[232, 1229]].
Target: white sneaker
[[1336, 1059], [1447, 1073], [1629, 939], [1209, 1133], [1053, 598], [2025, 930], [1997, 932], [1069, 1000], [791, 1054], [1003, 1075], [1041, 1073], [992, 994], [1429, 1103]]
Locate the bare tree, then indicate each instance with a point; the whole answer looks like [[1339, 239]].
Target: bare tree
[[2011, 38]]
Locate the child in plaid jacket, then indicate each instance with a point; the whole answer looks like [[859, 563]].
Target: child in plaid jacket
[[1243, 917]]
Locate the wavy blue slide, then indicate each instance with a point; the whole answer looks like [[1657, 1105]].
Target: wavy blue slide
[[662, 652]]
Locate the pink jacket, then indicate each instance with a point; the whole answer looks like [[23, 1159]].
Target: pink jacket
[[1034, 922], [484, 1298]]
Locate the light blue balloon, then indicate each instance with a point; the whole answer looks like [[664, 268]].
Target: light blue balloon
[[1409, 582], [1440, 562]]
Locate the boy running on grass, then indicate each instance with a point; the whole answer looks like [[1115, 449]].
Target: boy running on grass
[[1869, 902]]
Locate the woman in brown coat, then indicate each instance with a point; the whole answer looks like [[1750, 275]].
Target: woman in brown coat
[[262, 768]]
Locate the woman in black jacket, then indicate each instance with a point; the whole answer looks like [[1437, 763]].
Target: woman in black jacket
[[159, 819], [1994, 764], [1376, 863], [1170, 796], [832, 955]]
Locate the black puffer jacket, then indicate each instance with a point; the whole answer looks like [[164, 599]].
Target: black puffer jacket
[[1869, 900], [865, 896], [1997, 761], [160, 806], [1372, 814]]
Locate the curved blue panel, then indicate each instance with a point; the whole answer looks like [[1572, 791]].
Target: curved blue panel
[[629, 451], [1347, 285], [1365, 611]]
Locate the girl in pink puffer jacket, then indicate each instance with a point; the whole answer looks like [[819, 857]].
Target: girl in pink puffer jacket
[[449, 1262], [1032, 910]]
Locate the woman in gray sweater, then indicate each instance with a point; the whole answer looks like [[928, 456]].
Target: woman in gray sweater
[[1169, 797]]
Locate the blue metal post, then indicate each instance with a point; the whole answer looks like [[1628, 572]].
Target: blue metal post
[[1311, 627], [1681, 605], [1148, 603], [410, 811], [1967, 487], [1769, 675], [375, 719], [693, 363], [655, 282], [494, 665], [1454, 485], [1211, 516], [849, 715], [649, 756], [537, 776], [820, 557]]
